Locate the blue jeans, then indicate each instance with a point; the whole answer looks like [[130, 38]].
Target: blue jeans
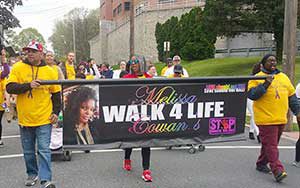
[[29, 137]]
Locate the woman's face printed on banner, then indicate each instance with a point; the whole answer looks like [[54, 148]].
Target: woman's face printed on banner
[[86, 111]]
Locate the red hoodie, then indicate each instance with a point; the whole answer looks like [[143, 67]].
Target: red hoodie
[[145, 75]]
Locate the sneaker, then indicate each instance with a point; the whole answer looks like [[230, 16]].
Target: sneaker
[[127, 164], [147, 176], [264, 169], [31, 180], [280, 176], [1, 143], [47, 184], [251, 136], [296, 164]]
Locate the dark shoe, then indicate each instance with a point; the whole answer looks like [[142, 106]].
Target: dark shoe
[[258, 139], [264, 169], [280, 176], [47, 184], [31, 180], [87, 151], [251, 136]]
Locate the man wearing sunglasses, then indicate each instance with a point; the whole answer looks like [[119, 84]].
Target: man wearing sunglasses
[[38, 108], [170, 70]]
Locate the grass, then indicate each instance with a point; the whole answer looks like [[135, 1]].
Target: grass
[[231, 66]]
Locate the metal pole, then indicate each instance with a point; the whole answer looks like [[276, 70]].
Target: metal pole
[[74, 41], [131, 37], [289, 45]]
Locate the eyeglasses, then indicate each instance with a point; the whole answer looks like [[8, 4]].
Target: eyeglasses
[[132, 62]]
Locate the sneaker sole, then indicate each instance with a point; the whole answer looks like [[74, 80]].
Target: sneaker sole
[[33, 182], [281, 178], [146, 179]]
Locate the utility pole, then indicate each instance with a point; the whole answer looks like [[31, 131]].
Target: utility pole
[[290, 45], [131, 37], [74, 41]]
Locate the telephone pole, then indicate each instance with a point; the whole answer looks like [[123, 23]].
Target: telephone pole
[[74, 40], [290, 45], [131, 37]]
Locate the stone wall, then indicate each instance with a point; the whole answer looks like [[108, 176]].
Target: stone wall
[[145, 41]]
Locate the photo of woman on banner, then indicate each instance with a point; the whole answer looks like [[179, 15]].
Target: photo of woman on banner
[[80, 112]]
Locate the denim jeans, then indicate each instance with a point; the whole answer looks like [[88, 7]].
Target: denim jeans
[[29, 137]]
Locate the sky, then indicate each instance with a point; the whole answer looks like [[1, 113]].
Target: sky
[[42, 14]]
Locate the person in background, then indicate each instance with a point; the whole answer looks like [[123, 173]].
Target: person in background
[[178, 72], [92, 71], [135, 72], [106, 72], [296, 163], [68, 67], [38, 108], [170, 70], [122, 66], [253, 128], [80, 71], [152, 70], [49, 58], [3, 74], [272, 99], [169, 63]]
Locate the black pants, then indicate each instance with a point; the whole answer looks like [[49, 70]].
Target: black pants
[[298, 150], [1, 115], [145, 156]]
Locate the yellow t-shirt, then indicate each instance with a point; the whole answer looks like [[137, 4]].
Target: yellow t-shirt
[[70, 71], [272, 107], [89, 77], [164, 70], [2, 92], [36, 110]]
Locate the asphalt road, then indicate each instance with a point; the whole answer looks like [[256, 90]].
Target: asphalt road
[[222, 165]]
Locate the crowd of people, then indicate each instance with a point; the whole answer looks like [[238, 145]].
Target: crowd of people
[[39, 105]]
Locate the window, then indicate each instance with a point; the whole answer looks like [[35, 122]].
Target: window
[[127, 6]]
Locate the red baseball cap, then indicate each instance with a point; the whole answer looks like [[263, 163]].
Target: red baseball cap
[[34, 45]]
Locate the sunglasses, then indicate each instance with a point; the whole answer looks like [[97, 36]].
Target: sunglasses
[[133, 62]]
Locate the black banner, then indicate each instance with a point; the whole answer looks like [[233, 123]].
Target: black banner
[[153, 112]]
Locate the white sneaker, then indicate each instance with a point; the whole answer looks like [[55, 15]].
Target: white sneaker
[[296, 164]]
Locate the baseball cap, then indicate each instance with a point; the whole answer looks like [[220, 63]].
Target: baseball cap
[[178, 69], [34, 45], [176, 58]]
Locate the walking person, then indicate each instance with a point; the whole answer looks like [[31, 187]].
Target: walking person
[[296, 163], [38, 107], [3, 75], [49, 59], [253, 128], [277, 90], [135, 72], [68, 67]]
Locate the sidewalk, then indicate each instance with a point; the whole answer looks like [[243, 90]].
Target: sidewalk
[[291, 135]]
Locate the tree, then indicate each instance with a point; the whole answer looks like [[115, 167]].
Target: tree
[[86, 27], [187, 36], [25, 36], [7, 19], [231, 18]]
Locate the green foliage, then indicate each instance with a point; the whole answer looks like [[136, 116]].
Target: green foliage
[[187, 37], [24, 37], [231, 17], [7, 19], [86, 25]]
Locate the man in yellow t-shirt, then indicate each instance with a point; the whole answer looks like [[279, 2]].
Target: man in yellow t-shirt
[[38, 108], [272, 98], [68, 67], [169, 64]]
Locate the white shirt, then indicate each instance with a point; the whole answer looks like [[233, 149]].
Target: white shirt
[[170, 71], [298, 90]]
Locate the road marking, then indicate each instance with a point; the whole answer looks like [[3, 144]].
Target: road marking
[[12, 136], [160, 148]]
